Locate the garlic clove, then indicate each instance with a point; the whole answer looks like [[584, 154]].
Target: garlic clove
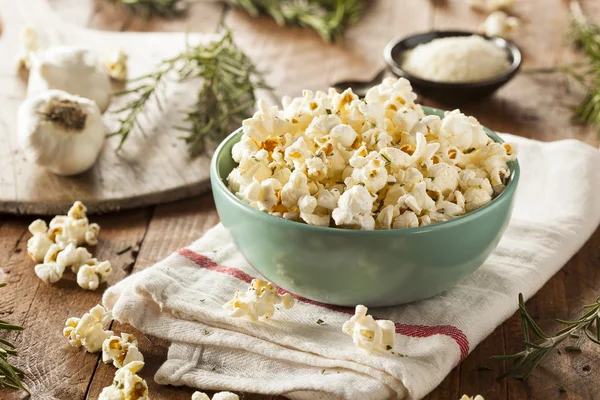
[[71, 69], [61, 132]]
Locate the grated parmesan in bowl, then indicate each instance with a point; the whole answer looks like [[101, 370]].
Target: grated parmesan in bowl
[[456, 59]]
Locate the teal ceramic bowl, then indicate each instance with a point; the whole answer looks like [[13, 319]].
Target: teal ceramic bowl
[[350, 267]]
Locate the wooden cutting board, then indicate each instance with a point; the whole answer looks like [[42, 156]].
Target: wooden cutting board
[[155, 168], [149, 169]]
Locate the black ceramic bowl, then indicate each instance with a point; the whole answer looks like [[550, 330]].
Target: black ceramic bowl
[[451, 92]]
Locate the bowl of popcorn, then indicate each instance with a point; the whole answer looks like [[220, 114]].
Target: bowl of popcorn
[[374, 201]]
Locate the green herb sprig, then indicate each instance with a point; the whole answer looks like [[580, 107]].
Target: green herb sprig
[[538, 344], [227, 96], [10, 376], [329, 18], [150, 8]]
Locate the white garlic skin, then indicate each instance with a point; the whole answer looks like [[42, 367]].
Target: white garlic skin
[[71, 69], [49, 144]]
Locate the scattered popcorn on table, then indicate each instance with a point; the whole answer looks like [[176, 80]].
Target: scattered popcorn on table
[[216, 396], [54, 246], [499, 24], [127, 385], [478, 397], [88, 331], [258, 302], [332, 159], [368, 334], [92, 273], [121, 350], [115, 64]]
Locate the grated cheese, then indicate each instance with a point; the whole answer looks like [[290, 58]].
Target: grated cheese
[[456, 59]]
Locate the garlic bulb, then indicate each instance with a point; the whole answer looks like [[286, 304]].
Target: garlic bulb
[[72, 69], [60, 131]]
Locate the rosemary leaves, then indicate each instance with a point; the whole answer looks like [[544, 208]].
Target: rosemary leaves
[[538, 344], [10, 376], [329, 18], [149, 8], [587, 35], [226, 98]]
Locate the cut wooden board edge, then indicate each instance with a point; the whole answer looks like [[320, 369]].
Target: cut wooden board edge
[[106, 206]]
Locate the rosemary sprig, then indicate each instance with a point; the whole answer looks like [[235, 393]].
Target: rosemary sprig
[[10, 376], [136, 107], [329, 18], [538, 344], [226, 98], [149, 8]]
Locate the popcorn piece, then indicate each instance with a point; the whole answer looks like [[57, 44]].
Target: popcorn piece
[[202, 396], [499, 24], [69, 331], [74, 227], [89, 329], [115, 64], [121, 350], [478, 397], [127, 385], [476, 197], [39, 244], [51, 270], [92, 273], [73, 257], [258, 302], [294, 189], [354, 208], [407, 219], [368, 334]]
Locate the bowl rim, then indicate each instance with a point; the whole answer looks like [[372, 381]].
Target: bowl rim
[[218, 182], [388, 55]]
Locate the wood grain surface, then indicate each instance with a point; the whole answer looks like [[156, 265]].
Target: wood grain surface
[[531, 106]]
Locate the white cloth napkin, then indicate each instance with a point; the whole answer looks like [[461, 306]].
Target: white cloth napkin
[[179, 299]]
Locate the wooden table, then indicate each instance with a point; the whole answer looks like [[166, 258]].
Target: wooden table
[[531, 106]]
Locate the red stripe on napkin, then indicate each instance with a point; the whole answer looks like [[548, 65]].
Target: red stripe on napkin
[[419, 331]]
